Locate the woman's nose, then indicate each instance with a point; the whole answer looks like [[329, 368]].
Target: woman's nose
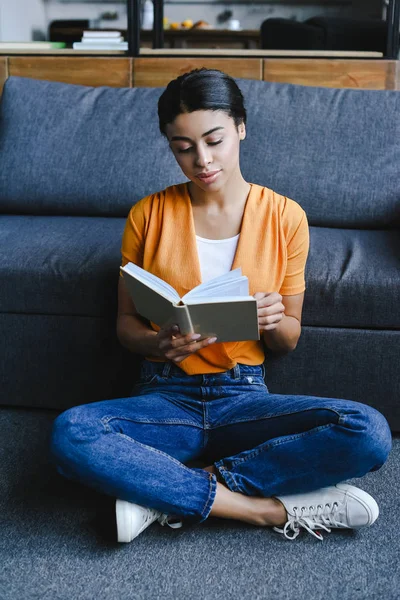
[[203, 157]]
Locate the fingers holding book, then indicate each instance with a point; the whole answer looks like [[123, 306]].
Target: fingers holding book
[[270, 310], [172, 345]]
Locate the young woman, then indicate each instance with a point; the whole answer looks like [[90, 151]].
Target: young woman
[[272, 460]]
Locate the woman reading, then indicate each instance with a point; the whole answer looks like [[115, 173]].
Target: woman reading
[[272, 460]]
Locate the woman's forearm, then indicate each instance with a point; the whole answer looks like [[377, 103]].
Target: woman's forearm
[[285, 336], [139, 338], [136, 336]]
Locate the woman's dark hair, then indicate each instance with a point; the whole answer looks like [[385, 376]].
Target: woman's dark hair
[[201, 89]]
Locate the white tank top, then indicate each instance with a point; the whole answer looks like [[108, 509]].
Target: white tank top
[[215, 256]]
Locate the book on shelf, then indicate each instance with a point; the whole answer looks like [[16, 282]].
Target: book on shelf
[[100, 46], [101, 34], [220, 307], [114, 40]]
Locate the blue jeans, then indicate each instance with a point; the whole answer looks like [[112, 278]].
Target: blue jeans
[[262, 444]]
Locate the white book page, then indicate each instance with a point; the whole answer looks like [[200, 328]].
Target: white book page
[[213, 285], [157, 284], [240, 287], [216, 284]]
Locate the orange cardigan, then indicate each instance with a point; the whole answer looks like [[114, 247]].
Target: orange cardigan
[[273, 245]]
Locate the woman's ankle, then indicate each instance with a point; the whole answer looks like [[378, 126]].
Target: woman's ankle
[[250, 509], [232, 505], [270, 511]]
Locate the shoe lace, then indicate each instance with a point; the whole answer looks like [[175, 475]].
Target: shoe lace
[[312, 518], [163, 520]]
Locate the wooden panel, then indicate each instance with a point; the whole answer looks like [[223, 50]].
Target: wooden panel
[[93, 71], [3, 71], [154, 72], [364, 74], [158, 71], [397, 76]]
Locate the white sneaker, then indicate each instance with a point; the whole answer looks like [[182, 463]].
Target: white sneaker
[[132, 519], [339, 506]]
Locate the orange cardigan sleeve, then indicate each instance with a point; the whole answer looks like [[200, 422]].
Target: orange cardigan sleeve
[[133, 237], [298, 241]]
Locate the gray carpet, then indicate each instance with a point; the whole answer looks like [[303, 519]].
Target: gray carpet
[[51, 548]]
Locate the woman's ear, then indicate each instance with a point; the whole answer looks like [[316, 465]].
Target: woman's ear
[[242, 131]]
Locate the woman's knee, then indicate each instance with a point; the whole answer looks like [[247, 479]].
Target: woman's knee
[[71, 428], [380, 437], [374, 435]]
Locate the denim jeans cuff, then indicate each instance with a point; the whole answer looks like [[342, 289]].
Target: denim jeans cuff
[[226, 477], [211, 497]]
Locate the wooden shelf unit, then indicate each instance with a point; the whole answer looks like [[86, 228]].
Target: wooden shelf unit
[[152, 71]]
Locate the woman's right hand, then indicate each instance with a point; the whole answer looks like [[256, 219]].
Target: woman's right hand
[[172, 345]]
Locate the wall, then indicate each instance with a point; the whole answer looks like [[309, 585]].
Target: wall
[[19, 19]]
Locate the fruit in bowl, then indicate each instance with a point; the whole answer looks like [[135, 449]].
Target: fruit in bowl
[[187, 24], [201, 25], [175, 25]]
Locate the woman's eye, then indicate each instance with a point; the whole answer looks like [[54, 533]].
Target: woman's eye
[[183, 150]]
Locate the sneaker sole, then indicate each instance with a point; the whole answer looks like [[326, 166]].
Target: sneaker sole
[[125, 523], [365, 499]]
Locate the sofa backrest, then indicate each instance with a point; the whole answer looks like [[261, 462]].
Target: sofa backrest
[[76, 150], [335, 151]]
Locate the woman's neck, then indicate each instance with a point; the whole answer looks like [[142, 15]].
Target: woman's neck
[[229, 196]]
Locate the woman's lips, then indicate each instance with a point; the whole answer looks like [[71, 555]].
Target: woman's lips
[[209, 178]]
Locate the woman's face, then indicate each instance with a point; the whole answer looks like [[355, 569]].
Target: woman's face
[[206, 141]]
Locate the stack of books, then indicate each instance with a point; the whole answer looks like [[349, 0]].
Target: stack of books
[[101, 40]]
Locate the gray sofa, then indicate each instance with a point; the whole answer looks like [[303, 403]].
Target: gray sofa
[[73, 161]]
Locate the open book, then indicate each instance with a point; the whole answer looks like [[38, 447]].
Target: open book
[[220, 307]]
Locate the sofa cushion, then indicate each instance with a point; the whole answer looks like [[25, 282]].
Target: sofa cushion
[[60, 265], [77, 150], [335, 151], [70, 266], [353, 279]]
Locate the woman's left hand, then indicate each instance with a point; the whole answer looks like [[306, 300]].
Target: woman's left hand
[[270, 310]]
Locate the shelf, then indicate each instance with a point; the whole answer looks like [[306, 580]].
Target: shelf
[[247, 2], [203, 52], [255, 53]]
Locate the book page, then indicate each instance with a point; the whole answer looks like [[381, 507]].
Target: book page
[[240, 287], [231, 283]]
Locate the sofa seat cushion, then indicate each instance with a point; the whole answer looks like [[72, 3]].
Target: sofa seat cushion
[[353, 279], [70, 266], [60, 265]]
